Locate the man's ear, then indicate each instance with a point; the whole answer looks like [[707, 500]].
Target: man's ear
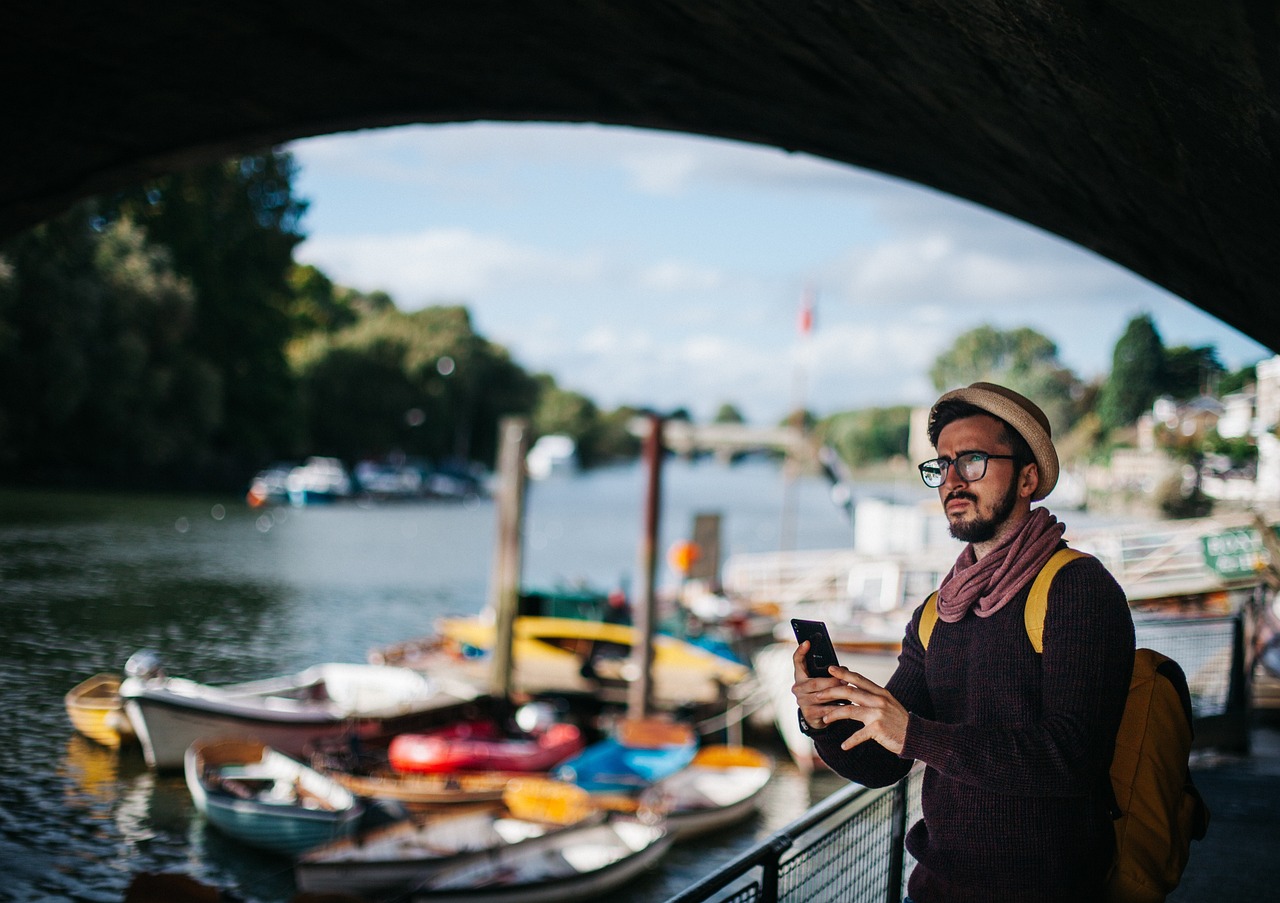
[[1029, 480]]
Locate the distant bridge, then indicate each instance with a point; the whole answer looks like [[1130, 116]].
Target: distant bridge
[[725, 439]]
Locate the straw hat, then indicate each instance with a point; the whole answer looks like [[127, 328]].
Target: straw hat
[[1024, 416]]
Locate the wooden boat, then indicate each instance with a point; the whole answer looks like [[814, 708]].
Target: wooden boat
[[570, 655], [640, 753], [95, 710], [391, 861], [581, 863], [265, 799], [719, 788], [288, 713], [483, 746]]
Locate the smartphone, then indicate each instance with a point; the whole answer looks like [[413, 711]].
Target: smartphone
[[821, 654]]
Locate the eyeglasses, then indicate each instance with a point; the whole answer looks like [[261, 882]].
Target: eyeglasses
[[972, 466]]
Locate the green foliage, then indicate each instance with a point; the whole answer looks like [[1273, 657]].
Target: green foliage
[[1189, 372], [728, 413], [423, 383], [1021, 359], [600, 437], [230, 229], [1236, 380], [1137, 374], [100, 381], [867, 436]]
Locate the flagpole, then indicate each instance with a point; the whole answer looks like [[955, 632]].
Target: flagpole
[[791, 462]]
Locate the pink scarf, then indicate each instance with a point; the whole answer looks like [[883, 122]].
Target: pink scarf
[[988, 584]]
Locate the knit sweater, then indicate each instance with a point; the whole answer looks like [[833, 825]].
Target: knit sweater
[[1016, 745]]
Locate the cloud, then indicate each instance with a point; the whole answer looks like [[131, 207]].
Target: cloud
[[443, 264]]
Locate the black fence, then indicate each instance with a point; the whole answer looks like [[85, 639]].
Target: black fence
[[849, 848]]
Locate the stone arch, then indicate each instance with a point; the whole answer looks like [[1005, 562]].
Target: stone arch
[[1142, 132]]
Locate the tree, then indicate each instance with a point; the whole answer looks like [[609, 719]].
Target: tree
[[99, 380], [424, 383], [868, 435], [728, 413], [231, 228], [1189, 372], [1137, 374], [1021, 359]]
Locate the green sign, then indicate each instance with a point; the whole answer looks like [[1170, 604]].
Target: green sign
[[1235, 553]]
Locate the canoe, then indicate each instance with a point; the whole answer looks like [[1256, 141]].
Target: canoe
[[288, 713], [719, 788], [95, 710], [639, 753], [391, 861], [582, 863], [265, 799], [483, 746]]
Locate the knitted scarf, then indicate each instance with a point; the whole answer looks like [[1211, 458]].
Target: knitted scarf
[[986, 585]]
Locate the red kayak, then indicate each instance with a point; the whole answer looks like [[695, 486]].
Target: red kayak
[[481, 746]]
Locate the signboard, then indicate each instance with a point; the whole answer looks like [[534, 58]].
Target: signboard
[[1235, 553]]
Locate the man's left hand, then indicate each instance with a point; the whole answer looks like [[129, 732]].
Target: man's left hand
[[883, 717]]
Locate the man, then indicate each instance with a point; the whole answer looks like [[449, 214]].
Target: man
[[1016, 744]]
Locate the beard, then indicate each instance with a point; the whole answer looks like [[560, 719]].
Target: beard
[[982, 529]]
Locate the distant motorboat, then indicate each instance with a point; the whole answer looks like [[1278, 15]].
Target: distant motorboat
[[552, 454], [265, 799], [288, 713], [317, 481]]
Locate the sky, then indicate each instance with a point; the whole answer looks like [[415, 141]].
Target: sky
[[669, 271]]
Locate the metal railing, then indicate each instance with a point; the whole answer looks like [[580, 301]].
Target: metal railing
[[849, 847]]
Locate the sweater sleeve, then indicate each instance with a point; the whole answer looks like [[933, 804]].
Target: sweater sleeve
[[870, 763], [1066, 734]]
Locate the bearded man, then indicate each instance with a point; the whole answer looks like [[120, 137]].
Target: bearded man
[[1016, 745]]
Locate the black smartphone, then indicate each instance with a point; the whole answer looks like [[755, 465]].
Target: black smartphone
[[821, 654]]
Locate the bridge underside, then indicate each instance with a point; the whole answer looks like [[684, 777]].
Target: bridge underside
[[1141, 129]]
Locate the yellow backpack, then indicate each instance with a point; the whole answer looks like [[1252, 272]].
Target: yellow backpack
[[1156, 809]]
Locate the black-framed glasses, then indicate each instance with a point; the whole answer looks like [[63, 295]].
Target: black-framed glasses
[[972, 466]]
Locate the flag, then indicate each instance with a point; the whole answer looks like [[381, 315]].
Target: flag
[[806, 313]]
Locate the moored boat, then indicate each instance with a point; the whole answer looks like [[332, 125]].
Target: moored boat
[[483, 746], [290, 713], [266, 799], [638, 754], [582, 863], [392, 860], [719, 788], [571, 655], [95, 710]]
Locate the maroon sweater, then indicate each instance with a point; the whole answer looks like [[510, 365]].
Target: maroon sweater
[[1016, 745]]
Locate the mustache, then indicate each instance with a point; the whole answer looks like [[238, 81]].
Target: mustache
[[960, 494]]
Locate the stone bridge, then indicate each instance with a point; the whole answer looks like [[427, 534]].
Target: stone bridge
[[1141, 129]]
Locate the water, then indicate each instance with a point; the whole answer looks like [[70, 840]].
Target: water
[[227, 593]]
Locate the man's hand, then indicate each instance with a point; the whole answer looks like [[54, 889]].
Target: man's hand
[[883, 717]]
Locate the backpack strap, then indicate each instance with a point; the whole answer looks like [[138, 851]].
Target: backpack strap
[[928, 618], [1037, 601]]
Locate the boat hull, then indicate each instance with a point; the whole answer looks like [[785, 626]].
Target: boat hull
[[291, 714], [95, 710], [265, 799], [585, 864]]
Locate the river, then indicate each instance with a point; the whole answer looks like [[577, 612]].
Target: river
[[227, 593]]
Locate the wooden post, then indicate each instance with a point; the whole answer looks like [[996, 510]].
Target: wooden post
[[504, 591], [640, 690]]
